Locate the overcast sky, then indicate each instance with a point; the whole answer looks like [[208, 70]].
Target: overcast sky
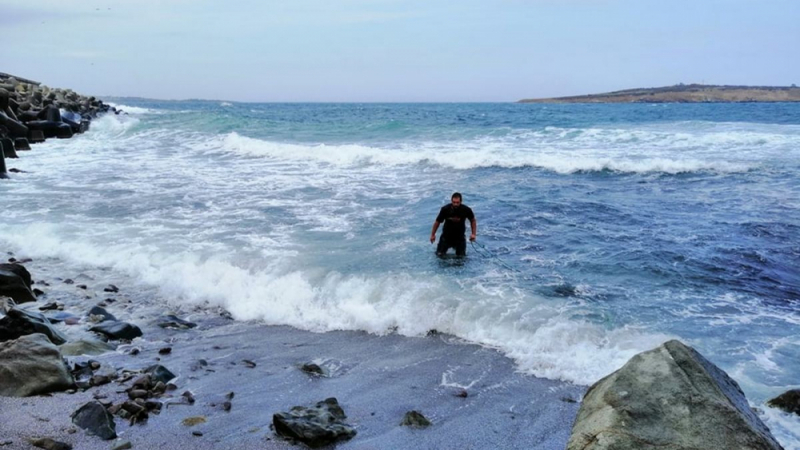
[[393, 50]]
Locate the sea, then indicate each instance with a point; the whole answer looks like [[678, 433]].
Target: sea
[[603, 230]]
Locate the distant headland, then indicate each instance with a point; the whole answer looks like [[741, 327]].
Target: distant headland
[[686, 93]]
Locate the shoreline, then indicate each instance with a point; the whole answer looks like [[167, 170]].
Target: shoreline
[[376, 379]]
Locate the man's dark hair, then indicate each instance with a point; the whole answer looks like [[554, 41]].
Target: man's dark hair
[[456, 195]]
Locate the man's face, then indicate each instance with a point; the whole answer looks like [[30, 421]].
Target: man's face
[[456, 202]]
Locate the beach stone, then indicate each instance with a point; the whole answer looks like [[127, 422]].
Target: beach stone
[[111, 288], [669, 397], [171, 321], [50, 444], [15, 282], [49, 306], [789, 401], [96, 420], [122, 445], [159, 373], [100, 311], [315, 426], [32, 365], [20, 322], [117, 330], [313, 369], [415, 419], [85, 347]]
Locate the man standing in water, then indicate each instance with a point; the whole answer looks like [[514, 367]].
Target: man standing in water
[[453, 216]]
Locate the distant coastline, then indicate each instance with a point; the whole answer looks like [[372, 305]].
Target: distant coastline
[[686, 93]]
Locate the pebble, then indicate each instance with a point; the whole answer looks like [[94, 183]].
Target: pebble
[[197, 433], [124, 445], [165, 351]]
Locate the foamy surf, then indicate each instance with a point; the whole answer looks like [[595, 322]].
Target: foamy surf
[[320, 300]]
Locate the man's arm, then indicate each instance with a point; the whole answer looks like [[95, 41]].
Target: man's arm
[[473, 223], [433, 231]]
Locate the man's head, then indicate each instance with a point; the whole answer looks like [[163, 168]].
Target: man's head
[[455, 199]]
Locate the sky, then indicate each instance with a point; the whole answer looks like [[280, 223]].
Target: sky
[[396, 51]]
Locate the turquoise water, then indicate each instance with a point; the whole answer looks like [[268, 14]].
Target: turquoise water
[[608, 228]]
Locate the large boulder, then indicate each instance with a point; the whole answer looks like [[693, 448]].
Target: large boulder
[[315, 426], [21, 322], [15, 282], [671, 398], [32, 365]]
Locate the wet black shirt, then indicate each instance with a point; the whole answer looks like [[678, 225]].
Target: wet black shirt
[[454, 219]]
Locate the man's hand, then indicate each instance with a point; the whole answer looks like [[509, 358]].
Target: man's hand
[[472, 237], [433, 238]]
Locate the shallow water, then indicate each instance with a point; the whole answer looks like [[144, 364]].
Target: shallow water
[[608, 228]]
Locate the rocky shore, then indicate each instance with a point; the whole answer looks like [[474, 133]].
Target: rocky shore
[[30, 113], [86, 364]]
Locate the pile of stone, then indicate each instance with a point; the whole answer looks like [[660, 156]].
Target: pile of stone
[[31, 112]]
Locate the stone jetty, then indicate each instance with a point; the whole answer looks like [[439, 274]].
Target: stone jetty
[[31, 112]]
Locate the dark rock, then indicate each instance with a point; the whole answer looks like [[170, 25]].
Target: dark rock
[[49, 444], [313, 369], [85, 347], [160, 373], [49, 306], [226, 406], [249, 363], [316, 426], [7, 145], [111, 288], [82, 286], [117, 330], [789, 401], [99, 380], [19, 270], [35, 136], [415, 419], [669, 397], [134, 351], [32, 365], [15, 282], [20, 322], [38, 292], [189, 397], [22, 144], [171, 321], [230, 395], [69, 281], [100, 311], [138, 393], [94, 418], [165, 351], [197, 433]]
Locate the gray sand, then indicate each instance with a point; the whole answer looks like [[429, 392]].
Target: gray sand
[[376, 379]]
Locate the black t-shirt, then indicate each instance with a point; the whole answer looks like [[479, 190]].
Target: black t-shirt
[[454, 219]]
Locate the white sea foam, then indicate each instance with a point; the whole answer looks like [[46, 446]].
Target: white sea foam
[[488, 154], [542, 342]]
